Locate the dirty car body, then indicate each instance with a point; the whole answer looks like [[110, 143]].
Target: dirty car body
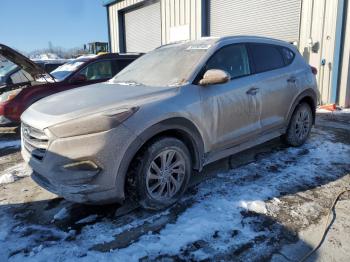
[[86, 147], [29, 82]]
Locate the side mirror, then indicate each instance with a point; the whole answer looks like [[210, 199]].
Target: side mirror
[[79, 79], [214, 76]]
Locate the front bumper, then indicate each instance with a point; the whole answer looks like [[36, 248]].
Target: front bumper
[[105, 149], [80, 193]]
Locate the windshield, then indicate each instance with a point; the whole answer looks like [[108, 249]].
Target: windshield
[[166, 66], [5, 68], [65, 70]]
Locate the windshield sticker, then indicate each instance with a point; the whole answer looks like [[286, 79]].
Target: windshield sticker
[[198, 47]]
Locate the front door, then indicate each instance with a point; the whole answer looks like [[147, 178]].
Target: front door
[[231, 110]]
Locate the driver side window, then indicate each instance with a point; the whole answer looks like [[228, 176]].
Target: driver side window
[[98, 70], [233, 59]]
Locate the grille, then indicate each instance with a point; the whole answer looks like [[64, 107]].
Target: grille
[[35, 141]]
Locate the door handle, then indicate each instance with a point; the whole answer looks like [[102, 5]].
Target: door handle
[[253, 91], [292, 80]]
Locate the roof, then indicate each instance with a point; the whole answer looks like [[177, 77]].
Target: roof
[[109, 2], [239, 38], [250, 37], [86, 58]]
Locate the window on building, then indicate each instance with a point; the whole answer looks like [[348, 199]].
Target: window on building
[[233, 59], [266, 57]]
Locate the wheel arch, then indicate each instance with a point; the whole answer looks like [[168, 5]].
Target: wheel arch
[[178, 127], [308, 96]]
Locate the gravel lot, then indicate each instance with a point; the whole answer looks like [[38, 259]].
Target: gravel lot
[[268, 203]]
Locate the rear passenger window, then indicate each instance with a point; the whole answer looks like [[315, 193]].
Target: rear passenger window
[[288, 55], [266, 57]]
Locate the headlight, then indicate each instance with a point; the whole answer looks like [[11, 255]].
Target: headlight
[[95, 123], [7, 96]]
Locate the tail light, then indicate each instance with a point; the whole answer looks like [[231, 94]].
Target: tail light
[[314, 70]]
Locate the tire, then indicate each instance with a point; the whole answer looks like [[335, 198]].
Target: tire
[[155, 185], [299, 126]]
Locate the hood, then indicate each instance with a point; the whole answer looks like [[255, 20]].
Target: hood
[[88, 100], [23, 62]]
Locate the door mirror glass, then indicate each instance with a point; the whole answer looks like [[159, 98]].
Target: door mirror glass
[[80, 78], [214, 76]]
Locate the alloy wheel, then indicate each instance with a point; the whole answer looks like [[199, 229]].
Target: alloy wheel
[[302, 124], [166, 174]]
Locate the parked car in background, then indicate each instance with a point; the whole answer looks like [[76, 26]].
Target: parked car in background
[[11, 73], [15, 97], [174, 110], [50, 65]]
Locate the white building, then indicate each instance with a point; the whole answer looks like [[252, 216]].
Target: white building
[[320, 28]]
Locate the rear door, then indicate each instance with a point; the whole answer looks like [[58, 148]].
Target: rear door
[[231, 111], [276, 81]]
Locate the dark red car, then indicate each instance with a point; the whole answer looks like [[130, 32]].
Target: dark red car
[[16, 96]]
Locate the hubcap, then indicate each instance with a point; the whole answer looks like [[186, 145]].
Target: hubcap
[[302, 124], [165, 175]]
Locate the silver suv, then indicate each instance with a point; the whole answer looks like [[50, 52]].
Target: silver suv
[[172, 111]]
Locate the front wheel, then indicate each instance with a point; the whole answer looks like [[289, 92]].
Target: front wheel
[[300, 126], [162, 173]]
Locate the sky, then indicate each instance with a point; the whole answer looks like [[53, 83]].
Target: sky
[[27, 25]]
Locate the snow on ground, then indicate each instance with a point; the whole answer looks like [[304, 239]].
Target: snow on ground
[[14, 173], [88, 219], [45, 56], [213, 218], [62, 214], [338, 111]]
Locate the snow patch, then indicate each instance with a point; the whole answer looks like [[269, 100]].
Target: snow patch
[[45, 56], [254, 206], [7, 179], [14, 173], [62, 214], [87, 219]]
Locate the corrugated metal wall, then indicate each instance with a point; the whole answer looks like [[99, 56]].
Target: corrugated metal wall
[[179, 13], [143, 28], [113, 21], [317, 40], [173, 12], [278, 19]]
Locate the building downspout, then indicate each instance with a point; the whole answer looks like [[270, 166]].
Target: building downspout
[[109, 30], [344, 90], [337, 51]]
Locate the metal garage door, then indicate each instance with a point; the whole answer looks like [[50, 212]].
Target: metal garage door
[[272, 18], [143, 28]]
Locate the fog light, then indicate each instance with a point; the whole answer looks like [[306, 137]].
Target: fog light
[[86, 165]]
